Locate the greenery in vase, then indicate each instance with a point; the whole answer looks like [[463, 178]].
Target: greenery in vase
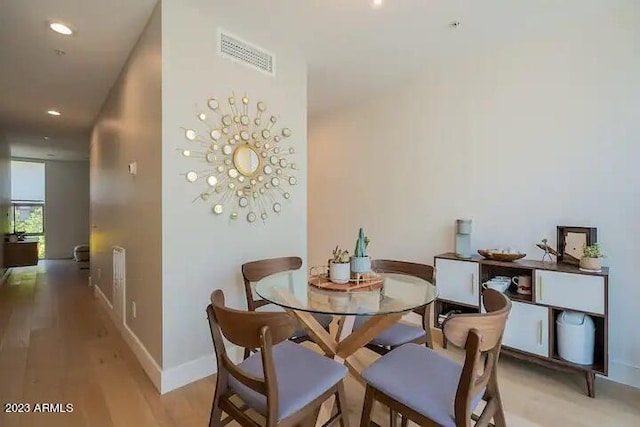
[[361, 244], [592, 251], [339, 256]]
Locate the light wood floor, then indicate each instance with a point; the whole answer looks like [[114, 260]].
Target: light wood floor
[[57, 347]]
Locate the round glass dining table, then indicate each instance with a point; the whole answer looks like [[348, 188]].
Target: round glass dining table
[[399, 294]]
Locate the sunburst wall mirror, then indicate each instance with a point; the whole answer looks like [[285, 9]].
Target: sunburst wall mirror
[[245, 167]]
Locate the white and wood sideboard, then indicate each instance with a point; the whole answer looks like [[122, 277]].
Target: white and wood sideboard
[[530, 333]]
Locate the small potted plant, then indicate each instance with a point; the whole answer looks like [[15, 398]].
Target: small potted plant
[[591, 257], [360, 261], [339, 266]]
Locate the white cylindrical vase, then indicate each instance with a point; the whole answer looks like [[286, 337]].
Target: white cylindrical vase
[[339, 272]]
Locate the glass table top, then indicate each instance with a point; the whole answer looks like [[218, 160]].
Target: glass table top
[[399, 293]]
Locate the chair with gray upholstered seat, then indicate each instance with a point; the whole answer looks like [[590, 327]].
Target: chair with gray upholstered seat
[[284, 382], [432, 390], [401, 333], [255, 271]]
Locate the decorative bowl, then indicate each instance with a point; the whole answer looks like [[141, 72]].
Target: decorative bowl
[[496, 255]]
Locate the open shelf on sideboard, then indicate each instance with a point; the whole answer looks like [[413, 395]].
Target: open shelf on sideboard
[[513, 296], [444, 306], [599, 356]]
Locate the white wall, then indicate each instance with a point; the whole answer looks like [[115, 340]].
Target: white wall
[[543, 134], [201, 251], [126, 209], [67, 207]]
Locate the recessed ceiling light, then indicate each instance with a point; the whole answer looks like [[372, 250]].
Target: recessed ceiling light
[[46, 137], [377, 3], [61, 28], [54, 112]]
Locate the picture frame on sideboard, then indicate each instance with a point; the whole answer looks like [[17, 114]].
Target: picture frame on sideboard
[[571, 242]]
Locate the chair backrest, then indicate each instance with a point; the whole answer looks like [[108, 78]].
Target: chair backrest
[[250, 330], [257, 270], [481, 337], [421, 271]]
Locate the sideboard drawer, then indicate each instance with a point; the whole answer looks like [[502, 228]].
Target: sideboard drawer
[[573, 291]]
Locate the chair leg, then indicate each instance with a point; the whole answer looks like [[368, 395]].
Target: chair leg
[[498, 416], [341, 403], [365, 419], [404, 421], [494, 395], [247, 353], [216, 412]]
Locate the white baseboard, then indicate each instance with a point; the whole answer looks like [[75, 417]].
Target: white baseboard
[[624, 373], [97, 292], [197, 369], [145, 359], [148, 363], [186, 373]]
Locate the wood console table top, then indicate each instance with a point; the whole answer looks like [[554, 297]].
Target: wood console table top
[[527, 264]]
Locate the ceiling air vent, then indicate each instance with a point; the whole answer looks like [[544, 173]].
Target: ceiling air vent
[[234, 48]]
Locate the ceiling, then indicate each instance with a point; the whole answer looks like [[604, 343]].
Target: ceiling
[[353, 51], [35, 79]]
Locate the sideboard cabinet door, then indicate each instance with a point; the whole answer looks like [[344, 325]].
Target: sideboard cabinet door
[[457, 281], [528, 328], [573, 291]]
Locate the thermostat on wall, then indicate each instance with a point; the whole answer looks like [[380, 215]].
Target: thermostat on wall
[[133, 168]]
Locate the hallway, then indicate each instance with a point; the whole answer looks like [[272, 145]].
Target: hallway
[[58, 346]]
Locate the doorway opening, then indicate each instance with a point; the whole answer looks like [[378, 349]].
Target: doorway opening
[[27, 213]]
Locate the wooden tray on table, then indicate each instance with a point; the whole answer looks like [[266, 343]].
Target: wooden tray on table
[[367, 282]]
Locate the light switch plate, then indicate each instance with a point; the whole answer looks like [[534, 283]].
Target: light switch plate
[[133, 168]]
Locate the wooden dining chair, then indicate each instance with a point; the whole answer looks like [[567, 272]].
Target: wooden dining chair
[[285, 382], [433, 390], [255, 271], [401, 333]]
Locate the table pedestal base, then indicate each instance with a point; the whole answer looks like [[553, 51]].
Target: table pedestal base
[[343, 347]]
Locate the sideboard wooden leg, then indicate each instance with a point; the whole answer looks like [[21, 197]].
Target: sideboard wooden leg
[[591, 383]]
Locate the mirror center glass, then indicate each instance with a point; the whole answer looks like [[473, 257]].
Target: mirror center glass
[[246, 160]]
